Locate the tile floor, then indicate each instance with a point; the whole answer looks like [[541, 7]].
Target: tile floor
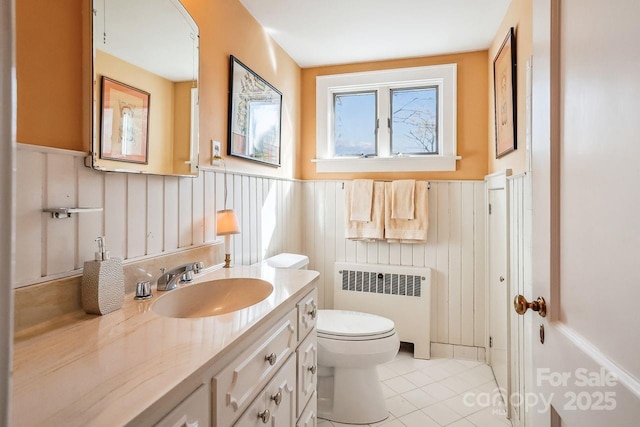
[[438, 392]]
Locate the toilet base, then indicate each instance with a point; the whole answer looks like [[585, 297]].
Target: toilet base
[[351, 395]]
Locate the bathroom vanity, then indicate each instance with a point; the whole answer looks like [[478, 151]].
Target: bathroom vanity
[[251, 367]]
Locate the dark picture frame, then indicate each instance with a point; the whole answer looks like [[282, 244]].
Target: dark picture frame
[[504, 95], [255, 116], [124, 124]]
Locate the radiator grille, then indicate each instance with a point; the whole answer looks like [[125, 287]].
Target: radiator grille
[[381, 283]]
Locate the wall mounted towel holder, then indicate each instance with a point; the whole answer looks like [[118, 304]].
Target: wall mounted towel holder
[[60, 213], [428, 184]]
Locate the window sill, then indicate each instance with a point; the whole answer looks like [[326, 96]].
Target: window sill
[[387, 164]]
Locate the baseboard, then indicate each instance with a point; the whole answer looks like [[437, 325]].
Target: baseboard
[[454, 351]]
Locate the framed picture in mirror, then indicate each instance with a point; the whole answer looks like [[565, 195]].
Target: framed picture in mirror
[[125, 123], [255, 111]]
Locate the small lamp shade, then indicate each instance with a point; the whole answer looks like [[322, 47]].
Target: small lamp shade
[[227, 223]]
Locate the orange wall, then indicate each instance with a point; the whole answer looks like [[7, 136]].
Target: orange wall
[[227, 28], [49, 71], [519, 15], [472, 116]]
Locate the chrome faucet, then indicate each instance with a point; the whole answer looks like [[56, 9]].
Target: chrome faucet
[[182, 274]]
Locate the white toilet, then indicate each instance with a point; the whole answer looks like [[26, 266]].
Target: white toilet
[[350, 347]]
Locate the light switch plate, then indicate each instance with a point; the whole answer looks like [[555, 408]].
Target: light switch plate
[[216, 153]]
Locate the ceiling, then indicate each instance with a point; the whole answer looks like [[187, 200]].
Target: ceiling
[[316, 33]]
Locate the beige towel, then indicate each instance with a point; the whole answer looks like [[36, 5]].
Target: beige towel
[[361, 200], [367, 231], [408, 230], [402, 199]]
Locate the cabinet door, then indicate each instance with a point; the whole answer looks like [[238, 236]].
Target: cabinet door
[[307, 314], [192, 412], [309, 417], [276, 405], [238, 384], [281, 396], [307, 354]]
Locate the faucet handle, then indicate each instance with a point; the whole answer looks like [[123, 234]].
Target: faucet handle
[[187, 277], [143, 290], [197, 266]]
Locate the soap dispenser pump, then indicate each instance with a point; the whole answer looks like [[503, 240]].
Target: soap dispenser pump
[[102, 282]]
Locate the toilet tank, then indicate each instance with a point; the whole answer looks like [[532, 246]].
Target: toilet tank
[[288, 261]]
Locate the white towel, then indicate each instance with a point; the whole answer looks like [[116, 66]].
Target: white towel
[[402, 199], [361, 200], [408, 230], [365, 231]]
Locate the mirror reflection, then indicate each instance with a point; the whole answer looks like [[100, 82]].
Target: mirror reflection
[[145, 87]]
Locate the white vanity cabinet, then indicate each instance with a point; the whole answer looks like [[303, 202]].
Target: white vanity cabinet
[[307, 360], [276, 405], [307, 356], [273, 381], [307, 313], [309, 417], [240, 381], [192, 412]]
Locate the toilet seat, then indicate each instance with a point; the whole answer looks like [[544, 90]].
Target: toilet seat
[[346, 325]]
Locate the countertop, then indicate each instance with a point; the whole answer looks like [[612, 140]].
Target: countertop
[[107, 370]]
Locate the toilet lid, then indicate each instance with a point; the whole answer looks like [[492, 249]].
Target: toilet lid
[[352, 324]]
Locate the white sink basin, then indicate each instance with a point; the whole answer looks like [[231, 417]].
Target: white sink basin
[[212, 298]]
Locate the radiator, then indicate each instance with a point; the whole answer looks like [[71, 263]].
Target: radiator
[[402, 294]]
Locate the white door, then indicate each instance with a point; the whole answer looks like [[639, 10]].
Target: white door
[[586, 212], [497, 281], [7, 156]]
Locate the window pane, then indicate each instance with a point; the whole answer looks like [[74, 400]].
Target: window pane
[[354, 128], [414, 124]]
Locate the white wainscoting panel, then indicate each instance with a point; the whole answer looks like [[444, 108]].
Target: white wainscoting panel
[[144, 215], [454, 251]]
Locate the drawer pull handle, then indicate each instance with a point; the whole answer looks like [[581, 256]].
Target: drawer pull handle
[[271, 358], [313, 313], [264, 416], [277, 398], [313, 369]]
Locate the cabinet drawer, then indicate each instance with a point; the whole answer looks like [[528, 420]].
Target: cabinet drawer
[[276, 405], [240, 382], [191, 412], [309, 417], [307, 313], [307, 355]]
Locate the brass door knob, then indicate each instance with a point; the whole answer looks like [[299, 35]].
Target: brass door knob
[[521, 305]]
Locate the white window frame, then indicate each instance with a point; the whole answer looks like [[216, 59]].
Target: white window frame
[[442, 76]]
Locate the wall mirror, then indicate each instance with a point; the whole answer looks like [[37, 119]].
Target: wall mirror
[[144, 87], [255, 109]]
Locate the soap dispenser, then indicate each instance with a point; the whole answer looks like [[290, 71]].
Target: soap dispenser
[[102, 282]]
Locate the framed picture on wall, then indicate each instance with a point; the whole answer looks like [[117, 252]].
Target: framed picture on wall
[[124, 133], [504, 84], [255, 109]]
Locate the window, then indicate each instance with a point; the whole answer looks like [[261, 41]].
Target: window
[[414, 124], [354, 124], [392, 120]]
